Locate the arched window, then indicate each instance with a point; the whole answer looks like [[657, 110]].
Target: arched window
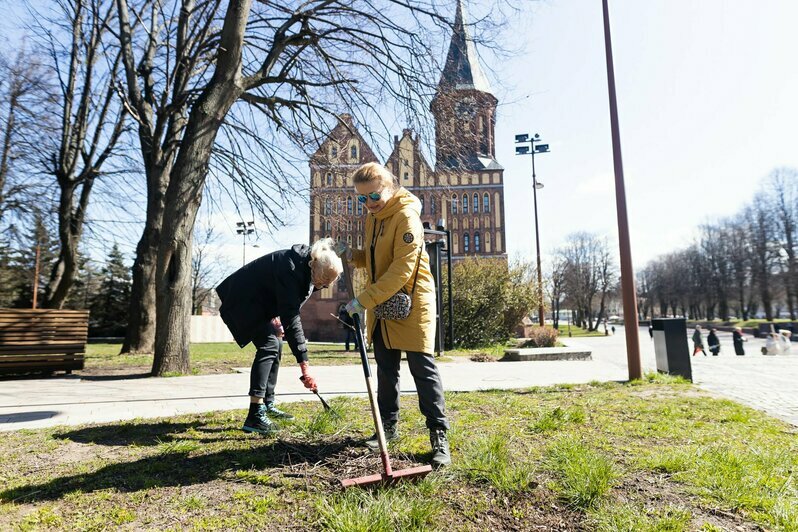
[[455, 243], [328, 225], [327, 206], [329, 178], [486, 203], [359, 241], [353, 152], [487, 242], [454, 203], [476, 242], [349, 240], [339, 206], [465, 207], [476, 203], [422, 198], [334, 151], [359, 208], [349, 205], [465, 243], [432, 205], [338, 238]]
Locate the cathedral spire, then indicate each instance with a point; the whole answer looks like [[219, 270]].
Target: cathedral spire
[[462, 69]]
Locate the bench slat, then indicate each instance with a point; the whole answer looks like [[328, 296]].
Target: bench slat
[[42, 339]]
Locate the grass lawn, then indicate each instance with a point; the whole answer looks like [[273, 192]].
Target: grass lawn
[[578, 331], [222, 357], [658, 455]]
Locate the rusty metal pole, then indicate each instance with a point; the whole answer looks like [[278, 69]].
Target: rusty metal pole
[[627, 272], [36, 277]]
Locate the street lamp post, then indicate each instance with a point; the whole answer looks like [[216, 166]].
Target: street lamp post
[[531, 150], [245, 229]]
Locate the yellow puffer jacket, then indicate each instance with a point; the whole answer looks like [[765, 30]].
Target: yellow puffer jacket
[[395, 234]]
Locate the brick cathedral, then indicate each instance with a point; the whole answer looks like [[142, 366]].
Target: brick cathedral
[[465, 190]]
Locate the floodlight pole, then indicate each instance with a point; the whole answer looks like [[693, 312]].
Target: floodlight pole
[[245, 229], [627, 272], [542, 148]]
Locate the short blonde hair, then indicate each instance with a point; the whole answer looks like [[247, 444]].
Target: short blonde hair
[[371, 172], [323, 253]]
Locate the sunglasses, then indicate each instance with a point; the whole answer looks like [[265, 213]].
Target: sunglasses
[[374, 196]]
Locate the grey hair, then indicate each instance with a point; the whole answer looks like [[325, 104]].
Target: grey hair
[[323, 252]]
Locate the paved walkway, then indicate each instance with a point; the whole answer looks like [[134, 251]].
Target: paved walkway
[[767, 383]]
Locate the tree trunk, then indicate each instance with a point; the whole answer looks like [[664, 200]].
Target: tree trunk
[[140, 336], [70, 229], [183, 198]]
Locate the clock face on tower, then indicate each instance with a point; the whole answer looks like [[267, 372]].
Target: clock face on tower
[[466, 108]]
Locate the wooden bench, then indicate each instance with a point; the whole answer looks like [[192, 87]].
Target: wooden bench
[[42, 340]]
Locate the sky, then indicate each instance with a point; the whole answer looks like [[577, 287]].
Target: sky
[[708, 106]]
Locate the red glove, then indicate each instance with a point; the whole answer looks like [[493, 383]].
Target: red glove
[[307, 380]]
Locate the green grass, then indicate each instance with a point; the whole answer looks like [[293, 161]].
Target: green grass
[[491, 459], [578, 331], [656, 454], [407, 507], [583, 476], [209, 358]]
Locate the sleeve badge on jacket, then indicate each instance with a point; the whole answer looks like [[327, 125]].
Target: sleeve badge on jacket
[[408, 238]]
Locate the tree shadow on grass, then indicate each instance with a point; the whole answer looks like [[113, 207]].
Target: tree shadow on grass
[[130, 433], [179, 469]]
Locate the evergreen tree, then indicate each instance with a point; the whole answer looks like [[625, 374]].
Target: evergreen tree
[[109, 306], [21, 264]]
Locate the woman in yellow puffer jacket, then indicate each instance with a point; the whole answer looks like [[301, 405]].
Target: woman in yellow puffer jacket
[[395, 258]]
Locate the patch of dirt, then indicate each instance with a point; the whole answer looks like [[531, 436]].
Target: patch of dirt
[[482, 357], [668, 392], [658, 491]]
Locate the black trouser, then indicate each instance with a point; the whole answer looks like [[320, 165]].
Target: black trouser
[[425, 373], [263, 377]]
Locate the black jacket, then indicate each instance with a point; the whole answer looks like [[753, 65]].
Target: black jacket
[[277, 284]]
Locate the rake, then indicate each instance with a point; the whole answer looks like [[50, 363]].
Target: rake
[[388, 475]]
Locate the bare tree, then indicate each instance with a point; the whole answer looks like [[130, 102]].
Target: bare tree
[[91, 123], [206, 266], [166, 53], [24, 93], [556, 287], [589, 270], [759, 220], [783, 186], [287, 70]]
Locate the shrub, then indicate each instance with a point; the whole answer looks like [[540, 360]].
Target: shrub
[[490, 298], [542, 337]]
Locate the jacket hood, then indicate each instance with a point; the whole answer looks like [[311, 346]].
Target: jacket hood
[[402, 199]]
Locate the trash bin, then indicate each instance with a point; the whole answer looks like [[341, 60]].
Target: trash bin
[[670, 347]]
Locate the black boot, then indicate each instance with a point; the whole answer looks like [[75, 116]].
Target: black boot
[[257, 421], [440, 448], [391, 431]]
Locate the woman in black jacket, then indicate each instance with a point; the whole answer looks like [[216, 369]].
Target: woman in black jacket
[[260, 304]]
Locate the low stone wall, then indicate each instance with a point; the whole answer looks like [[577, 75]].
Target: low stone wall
[[571, 351]]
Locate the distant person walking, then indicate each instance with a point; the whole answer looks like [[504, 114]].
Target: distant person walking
[[772, 345], [698, 341], [348, 324], [738, 339], [784, 341], [713, 343]]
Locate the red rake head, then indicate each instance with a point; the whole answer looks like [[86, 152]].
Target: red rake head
[[410, 473]]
